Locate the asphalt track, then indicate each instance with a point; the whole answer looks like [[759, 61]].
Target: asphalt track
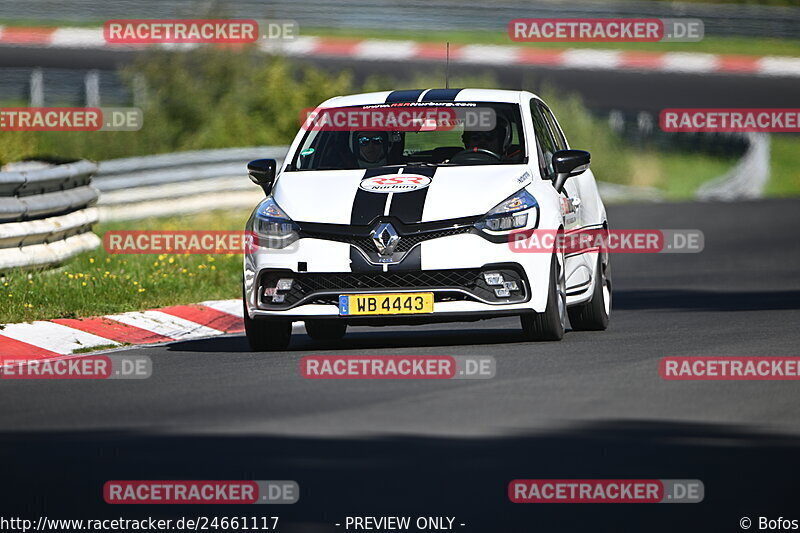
[[629, 91], [591, 406]]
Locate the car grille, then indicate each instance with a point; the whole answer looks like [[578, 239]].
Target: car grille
[[406, 242], [426, 279]]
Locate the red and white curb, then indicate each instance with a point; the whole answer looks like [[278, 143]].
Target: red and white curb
[[66, 336], [388, 50]]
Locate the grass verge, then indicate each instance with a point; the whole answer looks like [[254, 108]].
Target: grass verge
[[97, 283], [784, 168]]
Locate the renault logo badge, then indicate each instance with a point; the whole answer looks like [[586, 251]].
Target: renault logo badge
[[385, 238]]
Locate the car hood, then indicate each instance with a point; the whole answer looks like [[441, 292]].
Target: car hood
[[412, 194]]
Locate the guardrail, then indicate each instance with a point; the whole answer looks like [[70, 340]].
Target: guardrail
[[138, 187], [747, 180], [46, 214]]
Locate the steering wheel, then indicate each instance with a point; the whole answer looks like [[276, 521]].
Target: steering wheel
[[474, 155]]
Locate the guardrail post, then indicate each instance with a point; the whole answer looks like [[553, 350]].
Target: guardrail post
[[139, 91], [36, 96], [91, 84]]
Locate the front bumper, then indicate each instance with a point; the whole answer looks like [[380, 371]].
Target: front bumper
[[451, 267]]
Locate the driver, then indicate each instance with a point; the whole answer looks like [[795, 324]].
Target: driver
[[497, 141], [370, 148]]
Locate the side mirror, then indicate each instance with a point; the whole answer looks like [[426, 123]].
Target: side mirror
[[569, 163], [262, 173]]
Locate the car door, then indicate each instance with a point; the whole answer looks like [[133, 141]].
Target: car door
[[550, 139]]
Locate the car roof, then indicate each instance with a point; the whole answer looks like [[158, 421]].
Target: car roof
[[434, 95]]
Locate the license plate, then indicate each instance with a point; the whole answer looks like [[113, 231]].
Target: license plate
[[386, 304]]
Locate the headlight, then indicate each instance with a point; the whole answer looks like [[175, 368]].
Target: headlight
[[272, 226], [514, 212]]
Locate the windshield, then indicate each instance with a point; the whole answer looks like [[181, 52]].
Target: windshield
[[463, 142]]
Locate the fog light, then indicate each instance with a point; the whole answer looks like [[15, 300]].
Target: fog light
[[511, 285], [269, 291], [502, 293], [284, 284], [493, 278], [278, 298]]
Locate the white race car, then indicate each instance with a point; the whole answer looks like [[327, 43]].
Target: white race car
[[380, 226]]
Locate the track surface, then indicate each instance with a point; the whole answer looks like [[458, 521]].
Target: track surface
[[591, 406]]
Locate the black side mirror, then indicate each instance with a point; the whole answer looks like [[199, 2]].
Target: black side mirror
[[569, 163], [262, 173]]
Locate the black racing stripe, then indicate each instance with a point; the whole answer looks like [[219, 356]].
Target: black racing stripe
[[441, 95], [369, 205], [404, 96], [408, 206]]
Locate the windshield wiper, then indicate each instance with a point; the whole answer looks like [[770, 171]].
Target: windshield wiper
[[421, 164]]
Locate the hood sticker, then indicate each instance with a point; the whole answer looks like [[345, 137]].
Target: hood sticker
[[395, 184]]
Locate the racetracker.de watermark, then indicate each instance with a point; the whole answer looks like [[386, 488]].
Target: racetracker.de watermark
[[624, 241], [398, 367], [206, 492], [180, 242], [71, 119], [414, 116], [606, 30], [754, 120], [729, 368], [210, 31], [606, 491], [91, 367]]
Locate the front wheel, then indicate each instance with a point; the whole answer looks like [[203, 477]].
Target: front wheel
[[267, 335], [550, 325]]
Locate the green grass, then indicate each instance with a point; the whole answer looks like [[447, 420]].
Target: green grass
[[784, 165], [679, 175], [757, 46], [97, 283]]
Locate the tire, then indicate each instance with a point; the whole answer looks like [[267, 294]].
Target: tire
[[326, 330], [267, 335], [593, 315], [550, 325]]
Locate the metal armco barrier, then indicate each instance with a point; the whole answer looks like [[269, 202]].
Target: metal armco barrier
[[46, 214], [139, 187]]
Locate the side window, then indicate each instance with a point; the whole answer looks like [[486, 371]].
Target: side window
[[558, 135], [545, 141]]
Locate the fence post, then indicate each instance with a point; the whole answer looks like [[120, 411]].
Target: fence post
[[36, 96]]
